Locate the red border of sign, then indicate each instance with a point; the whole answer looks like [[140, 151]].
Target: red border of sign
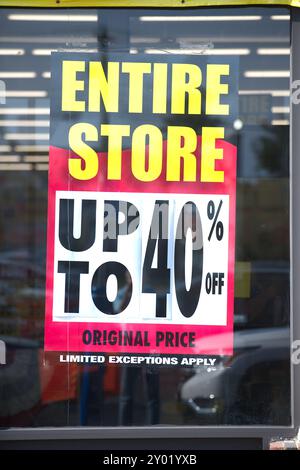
[[67, 336]]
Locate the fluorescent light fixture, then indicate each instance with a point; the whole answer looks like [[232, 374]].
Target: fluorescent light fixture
[[32, 148], [137, 40], [226, 51], [280, 109], [281, 93], [201, 18], [23, 123], [9, 158], [54, 17], [23, 93], [42, 51], [280, 122], [17, 74], [133, 50], [42, 166], [275, 93], [48, 51], [12, 51], [20, 136], [232, 39], [52, 39], [36, 158], [280, 17], [24, 111], [46, 74], [267, 73], [199, 50], [274, 51], [15, 166], [5, 148]]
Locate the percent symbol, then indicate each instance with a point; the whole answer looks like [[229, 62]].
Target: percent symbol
[[217, 225]]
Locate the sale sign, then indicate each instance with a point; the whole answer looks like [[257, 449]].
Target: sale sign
[[141, 207]]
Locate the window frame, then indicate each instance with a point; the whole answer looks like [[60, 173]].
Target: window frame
[[72, 436]]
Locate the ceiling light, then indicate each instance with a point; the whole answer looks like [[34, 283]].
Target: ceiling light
[[17, 74], [19, 136], [24, 123], [273, 51], [36, 158], [280, 122], [145, 39], [9, 158], [238, 124], [49, 51], [23, 93], [199, 50], [15, 166], [31, 148], [267, 73], [280, 109], [5, 148], [24, 111], [275, 93], [12, 51], [53, 17], [43, 51], [42, 166], [280, 17], [201, 18]]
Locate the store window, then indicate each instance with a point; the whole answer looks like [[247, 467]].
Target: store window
[[251, 385]]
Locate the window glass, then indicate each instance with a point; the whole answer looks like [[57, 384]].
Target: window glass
[[250, 387]]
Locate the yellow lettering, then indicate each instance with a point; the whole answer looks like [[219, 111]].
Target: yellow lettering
[[138, 155], [84, 151], [70, 85], [136, 71], [115, 134], [182, 143], [214, 89], [209, 154], [107, 88], [160, 81], [181, 86]]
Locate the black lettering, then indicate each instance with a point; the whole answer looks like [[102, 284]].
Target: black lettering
[[97, 337], [99, 283], [192, 339], [188, 298], [72, 270], [146, 339], [157, 280], [66, 225], [159, 337], [138, 340], [87, 337], [112, 338], [169, 339], [127, 338]]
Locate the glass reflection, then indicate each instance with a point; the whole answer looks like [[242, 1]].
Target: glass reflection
[[253, 386]]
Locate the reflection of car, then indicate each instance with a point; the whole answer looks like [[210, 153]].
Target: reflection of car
[[246, 387]]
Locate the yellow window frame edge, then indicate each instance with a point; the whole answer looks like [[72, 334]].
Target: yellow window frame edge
[[143, 3]]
